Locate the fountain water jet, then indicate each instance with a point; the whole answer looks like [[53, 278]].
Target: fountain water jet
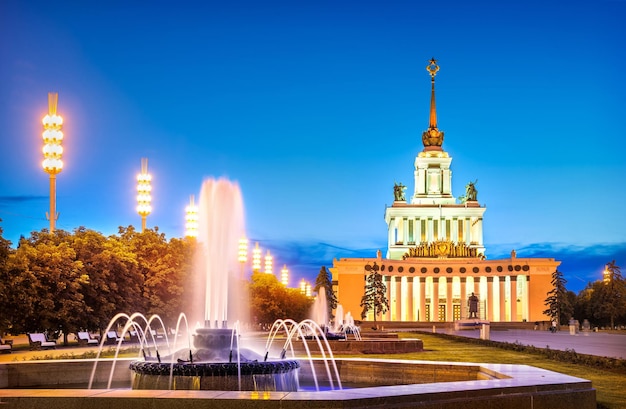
[[210, 366]]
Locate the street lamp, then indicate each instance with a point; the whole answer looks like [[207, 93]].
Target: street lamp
[[243, 255], [606, 275], [303, 286], [269, 268], [143, 193], [52, 151], [191, 218], [256, 258], [284, 275]]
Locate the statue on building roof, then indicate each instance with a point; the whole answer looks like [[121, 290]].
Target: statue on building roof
[[398, 192], [471, 194]]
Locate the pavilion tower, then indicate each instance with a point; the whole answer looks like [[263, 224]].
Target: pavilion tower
[[433, 224]]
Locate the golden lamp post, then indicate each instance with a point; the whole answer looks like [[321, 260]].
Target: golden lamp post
[[256, 258], [284, 275], [191, 218], [52, 151], [269, 263], [143, 193], [242, 256]]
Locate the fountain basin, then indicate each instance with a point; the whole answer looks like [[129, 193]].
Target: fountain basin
[[230, 376], [446, 386]]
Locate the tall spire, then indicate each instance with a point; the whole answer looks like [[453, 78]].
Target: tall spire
[[432, 138]]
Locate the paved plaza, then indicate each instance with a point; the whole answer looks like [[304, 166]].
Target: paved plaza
[[609, 344]]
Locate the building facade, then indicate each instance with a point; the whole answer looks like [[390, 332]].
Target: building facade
[[435, 256]]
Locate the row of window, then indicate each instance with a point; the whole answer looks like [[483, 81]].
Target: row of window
[[462, 270]]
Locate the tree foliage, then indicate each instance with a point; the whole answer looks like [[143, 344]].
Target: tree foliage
[[323, 282], [375, 296], [271, 300], [66, 282], [557, 300]]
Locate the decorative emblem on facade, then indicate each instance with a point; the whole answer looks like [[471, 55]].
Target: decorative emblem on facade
[[442, 249]]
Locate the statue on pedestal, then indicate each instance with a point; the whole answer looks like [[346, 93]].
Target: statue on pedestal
[[471, 194], [398, 192]]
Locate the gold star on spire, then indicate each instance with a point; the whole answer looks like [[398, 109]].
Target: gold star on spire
[[432, 67]]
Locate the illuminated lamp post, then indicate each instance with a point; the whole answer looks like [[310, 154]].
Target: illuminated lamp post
[[307, 291], [52, 151], [303, 286], [606, 275], [144, 208], [284, 275], [256, 258], [269, 268], [243, 255], [191, 218]]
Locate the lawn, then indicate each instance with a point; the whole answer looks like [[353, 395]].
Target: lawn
[[610, 386]]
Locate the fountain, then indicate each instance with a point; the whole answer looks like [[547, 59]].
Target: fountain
[[217, 362], [374, 382]]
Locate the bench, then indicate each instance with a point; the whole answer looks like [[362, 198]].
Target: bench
[[112, 338], [6, 346], [39, 341], [85, 338]]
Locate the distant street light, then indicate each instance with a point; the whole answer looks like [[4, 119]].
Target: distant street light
[[52, 151], [243, 256], [269, 268], [284, 275], [144, 198], [606, 275], [256, 258], [191, 218]]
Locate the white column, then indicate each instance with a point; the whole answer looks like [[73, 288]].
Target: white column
[[393, 308], [464, 313], [407, 298], [422, 308], [430, 233], [434, 304], [494, 299], [454, 227], [513, 298], [392, 227], [405, 231], [503, 303], [525, 303], [479, 231], [449, 315]]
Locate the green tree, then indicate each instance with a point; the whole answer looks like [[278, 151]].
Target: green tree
[[113, 280], [270, 300], [557, 300], [57, 283], [5, 282], [613, 298], [323, 282], [375, 295]]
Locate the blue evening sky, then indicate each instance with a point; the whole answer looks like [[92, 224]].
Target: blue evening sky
[[315, 108]]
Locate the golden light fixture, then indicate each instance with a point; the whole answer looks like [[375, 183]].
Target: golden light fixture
[[144, 189], [52, 152], [191, 218], [269, 260], [256, 258], [303, 286], [242, 256], [606, 275], [284, 275]]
